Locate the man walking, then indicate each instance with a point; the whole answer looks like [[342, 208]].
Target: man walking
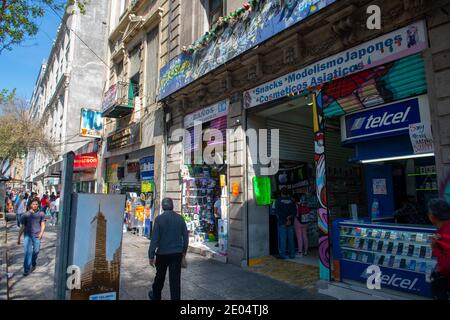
[[33, 226], [286, 211], [169, 243]]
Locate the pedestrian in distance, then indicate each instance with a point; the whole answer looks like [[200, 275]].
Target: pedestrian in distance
[[45, 203], [21, 208], [31, 197], [285, 210], [169, 245], [33, 227], [439, 215]]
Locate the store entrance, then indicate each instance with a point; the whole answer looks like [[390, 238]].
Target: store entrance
[[296, 173]]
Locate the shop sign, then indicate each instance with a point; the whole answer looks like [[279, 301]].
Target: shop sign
[[85, 161], [254, 27], [91, 123], [146, 186], [402, 280], [147, 167], [215, 111], [109, 98], [390, 47], [124, 138], [133, 167], [385, 120], [421, 138]]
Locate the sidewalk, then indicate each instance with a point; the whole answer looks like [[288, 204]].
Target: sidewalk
[[204, 279]]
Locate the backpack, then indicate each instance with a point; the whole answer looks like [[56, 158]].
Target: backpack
[[303, 214]]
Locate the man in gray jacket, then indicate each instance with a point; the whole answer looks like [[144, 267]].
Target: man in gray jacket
[[169, 243]]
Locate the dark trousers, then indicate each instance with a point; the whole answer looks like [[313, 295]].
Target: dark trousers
[[173, 262]]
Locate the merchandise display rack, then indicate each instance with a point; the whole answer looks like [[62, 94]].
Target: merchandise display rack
[[402, 252]]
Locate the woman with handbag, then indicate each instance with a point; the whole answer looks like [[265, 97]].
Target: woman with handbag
[[439, 215], [301, 225]]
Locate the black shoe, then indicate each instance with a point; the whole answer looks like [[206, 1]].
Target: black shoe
[[33, 268], [26, 274], [216, 245]]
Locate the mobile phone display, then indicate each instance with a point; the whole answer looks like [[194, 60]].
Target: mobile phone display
[[400, 248], [410, 250], [390, 247], [380, 246], [403, 263], [391, 261]]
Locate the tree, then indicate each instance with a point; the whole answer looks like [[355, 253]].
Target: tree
[[18, 18], [19, 134]]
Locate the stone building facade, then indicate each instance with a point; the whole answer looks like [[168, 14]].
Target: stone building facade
[[337, 27]]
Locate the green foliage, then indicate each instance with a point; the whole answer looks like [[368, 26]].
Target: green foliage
[[18, 133], [19, 18], [7, 96]]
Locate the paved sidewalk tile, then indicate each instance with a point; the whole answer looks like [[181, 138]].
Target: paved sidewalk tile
[[204, 279]]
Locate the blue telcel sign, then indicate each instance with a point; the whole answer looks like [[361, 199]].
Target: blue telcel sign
[[382, 121]]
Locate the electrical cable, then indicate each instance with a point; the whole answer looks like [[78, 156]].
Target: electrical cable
[[64, 23]]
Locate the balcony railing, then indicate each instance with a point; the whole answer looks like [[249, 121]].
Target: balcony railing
[[118, 101]]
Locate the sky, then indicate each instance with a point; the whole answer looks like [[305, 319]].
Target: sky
[[19, 67]]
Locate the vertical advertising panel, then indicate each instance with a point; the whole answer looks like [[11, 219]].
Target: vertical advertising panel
[[95, 245]]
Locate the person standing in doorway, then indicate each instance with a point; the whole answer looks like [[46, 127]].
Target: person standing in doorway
[[33, 226], [285, 210], [169, 244], [301, 225]]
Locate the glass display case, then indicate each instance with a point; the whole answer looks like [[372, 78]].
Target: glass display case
[[402, 252]]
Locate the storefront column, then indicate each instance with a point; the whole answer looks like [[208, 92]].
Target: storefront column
[[438, 75], [321, 189], [237, 230]]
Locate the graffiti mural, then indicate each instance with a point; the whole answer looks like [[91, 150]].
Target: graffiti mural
[[256, 26], [321, 189], [390, 82], [444, 190]]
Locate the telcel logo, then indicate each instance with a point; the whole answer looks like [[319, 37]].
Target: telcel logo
[[395, 281], [377, 122]]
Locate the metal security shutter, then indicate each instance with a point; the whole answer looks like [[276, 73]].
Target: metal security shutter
[[296, 141], [394, 81], [334, 150]]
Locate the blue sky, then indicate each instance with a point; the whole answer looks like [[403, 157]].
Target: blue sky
[[19, 68]]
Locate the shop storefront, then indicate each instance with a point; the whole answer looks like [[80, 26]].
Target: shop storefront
[[204, 195], [355, 145], [85, 172], [132, 174]]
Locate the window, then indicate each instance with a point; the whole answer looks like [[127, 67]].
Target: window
[[152, 64], [215, 11]]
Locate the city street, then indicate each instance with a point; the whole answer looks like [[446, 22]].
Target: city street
[[204, 279]]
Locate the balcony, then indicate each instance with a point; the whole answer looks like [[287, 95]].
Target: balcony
[[118, 101]]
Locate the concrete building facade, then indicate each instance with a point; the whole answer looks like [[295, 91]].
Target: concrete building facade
[[70, 79]]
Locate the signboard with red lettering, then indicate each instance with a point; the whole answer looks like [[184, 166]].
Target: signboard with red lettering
[[85, 161]]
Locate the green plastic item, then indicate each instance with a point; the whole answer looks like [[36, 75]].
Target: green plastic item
[[263, 194]]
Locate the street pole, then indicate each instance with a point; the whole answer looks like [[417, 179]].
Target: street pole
[[62, 247]]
